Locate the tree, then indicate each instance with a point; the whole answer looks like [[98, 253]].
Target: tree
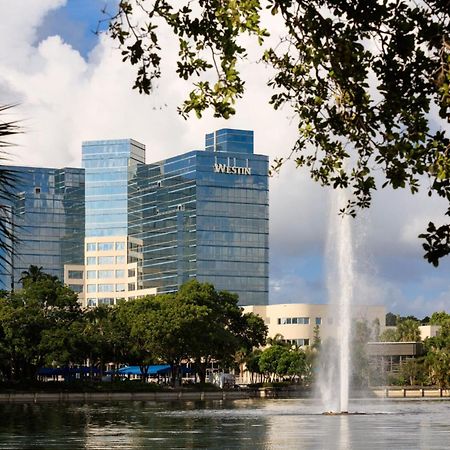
[[439, 318], [412, 370], [223, 331], [391, 319], [252, 363], [389, 335], [360, 77], [361, 334], [438, 353], [134, 321], [270, 359], [34, 324], [8, 179], [32, 274], [408, 330]]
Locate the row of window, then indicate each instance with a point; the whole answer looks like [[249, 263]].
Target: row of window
[[297, 321], [100, 301], [104, 246], [93, 274], [119, 287], [92, 302], [93, 260], [298, 342]]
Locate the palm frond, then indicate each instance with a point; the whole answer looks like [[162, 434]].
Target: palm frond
[[8, 181]]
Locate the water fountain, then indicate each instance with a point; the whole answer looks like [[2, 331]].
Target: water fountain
[[334, 377]]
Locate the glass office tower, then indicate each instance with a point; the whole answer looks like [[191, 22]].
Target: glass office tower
[[204, 215], [48, 221], [120, 228], [112, 258]]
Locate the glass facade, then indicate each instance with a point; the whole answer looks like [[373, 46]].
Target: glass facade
[[202, 214], [48, 221], [108, 165]]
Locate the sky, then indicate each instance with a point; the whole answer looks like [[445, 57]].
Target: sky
[[70, 86]]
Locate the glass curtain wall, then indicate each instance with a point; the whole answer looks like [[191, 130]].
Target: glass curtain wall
[[108, 167], [162, 217], [196, 222], [48, 221]]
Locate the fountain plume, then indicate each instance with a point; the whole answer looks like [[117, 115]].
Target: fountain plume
[[334, 375]]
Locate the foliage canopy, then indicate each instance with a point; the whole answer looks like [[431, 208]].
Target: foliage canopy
[[368, 82]]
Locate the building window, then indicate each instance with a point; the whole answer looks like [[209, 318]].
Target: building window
[[76, 288], [76, 274], [297, 342], [120, 245], [120, 273], [105, 288], [120, 259], [106, 259], [91, 302], [91, 260], [106, 301], [37, 190], [91, 247], [131, 273], [318, 320], [120, 287], [91, 274], [106, 273], [131, 287], [105, 246], [293, 321], [91, 288]]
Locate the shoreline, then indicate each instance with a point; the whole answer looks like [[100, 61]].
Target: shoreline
[[264, 393]]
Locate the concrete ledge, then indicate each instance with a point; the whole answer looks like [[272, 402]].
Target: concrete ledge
[[41, 397], [411, 392]]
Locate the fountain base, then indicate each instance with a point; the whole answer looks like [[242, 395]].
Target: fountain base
[[342, 413]]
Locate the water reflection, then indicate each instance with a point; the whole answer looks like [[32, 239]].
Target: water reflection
[[256, 424]]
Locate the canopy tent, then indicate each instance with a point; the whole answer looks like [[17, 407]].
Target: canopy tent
[[159, 369], [136, 370]]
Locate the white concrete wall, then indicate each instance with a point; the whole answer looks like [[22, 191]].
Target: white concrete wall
[[276, 317]]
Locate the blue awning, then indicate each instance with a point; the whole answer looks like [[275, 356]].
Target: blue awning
[[152, 370], [158, 369]]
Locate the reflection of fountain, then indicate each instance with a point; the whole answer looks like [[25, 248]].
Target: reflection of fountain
[[335, 368]]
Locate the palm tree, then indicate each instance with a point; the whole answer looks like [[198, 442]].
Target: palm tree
[[8, 179], [408, 330], [33, 274], [278, 339]]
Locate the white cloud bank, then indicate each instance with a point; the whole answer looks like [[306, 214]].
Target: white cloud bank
[[66, 99]]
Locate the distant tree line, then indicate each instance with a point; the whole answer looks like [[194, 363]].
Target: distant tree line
[[43, 324]]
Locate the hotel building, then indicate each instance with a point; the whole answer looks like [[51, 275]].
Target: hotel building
[[121, 228]]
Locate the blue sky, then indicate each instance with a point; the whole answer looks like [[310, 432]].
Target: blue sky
[[72, 86], [77, 23]]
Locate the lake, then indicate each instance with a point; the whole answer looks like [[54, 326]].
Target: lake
[[239, 424]]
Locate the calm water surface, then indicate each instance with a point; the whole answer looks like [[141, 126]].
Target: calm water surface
[[241, 424]]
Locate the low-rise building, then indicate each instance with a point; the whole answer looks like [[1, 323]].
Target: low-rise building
[[296, 322]]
